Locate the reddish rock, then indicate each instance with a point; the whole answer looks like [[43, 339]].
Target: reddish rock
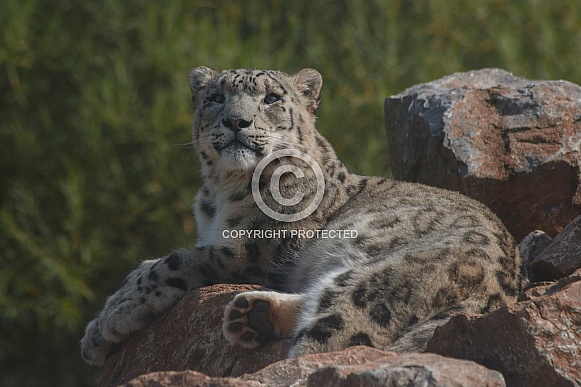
[[413, 369], [560, 258], [187, 379], [356, 366], [512, 143], [189, 337], [289, 371], [536, 342]]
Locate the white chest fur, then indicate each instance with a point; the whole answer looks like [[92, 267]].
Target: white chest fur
[[215, 230]]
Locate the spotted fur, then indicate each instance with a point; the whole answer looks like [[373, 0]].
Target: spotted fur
[[420, 254]]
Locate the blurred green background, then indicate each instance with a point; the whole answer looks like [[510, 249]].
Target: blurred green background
[[96, 172]]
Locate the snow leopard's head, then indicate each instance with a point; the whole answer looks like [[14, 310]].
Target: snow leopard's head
[[244, 115]]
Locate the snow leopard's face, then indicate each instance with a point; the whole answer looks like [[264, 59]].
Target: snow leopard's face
[[243, 115]]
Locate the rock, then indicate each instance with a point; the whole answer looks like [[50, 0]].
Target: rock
[[289, 371], [536, 342], [355, 366], [187, 378], [533, 245], [412, 369], [512, 143], [189, 337], [560, 258]]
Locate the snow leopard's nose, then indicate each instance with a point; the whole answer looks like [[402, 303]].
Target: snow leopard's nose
[[236, 124]]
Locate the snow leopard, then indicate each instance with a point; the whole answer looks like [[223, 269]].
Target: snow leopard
[[349, 259]]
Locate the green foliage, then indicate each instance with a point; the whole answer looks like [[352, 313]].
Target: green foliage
[[96, 172]]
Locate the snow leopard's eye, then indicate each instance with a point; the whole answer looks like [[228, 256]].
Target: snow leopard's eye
[[271, 98], [217, 98]]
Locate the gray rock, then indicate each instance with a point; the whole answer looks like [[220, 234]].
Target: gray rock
[[533, 244], [560, 258]]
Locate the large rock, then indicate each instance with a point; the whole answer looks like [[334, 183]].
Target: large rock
[[562, 257], [355, 366], [512, 143], [189, 337], [536, 342]]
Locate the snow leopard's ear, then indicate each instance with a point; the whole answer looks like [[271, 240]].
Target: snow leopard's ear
[[200, 77], [309, 82]]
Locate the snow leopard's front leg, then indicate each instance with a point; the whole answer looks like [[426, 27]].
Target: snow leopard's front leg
[[149, 290]]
